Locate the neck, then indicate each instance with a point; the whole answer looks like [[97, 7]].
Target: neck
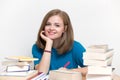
[[56, 42]]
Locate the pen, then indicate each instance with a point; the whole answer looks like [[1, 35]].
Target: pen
[[66, 64]]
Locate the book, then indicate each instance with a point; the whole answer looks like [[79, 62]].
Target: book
[[17, 68], [17, 75], [64, 75], [98, 56], [92, 62], [99, 77], [39, 76], [100, 70], [21, 58], [14, 62], [97, 48], [2, 68]]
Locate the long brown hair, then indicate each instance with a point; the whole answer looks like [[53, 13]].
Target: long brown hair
[[66, 41]]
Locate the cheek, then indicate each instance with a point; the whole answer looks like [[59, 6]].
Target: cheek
[[45, 32], [61, 32]]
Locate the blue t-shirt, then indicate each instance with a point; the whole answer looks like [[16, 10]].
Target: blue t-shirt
[[74, 56]]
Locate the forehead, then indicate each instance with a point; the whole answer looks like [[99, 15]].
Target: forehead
[[55, 18]]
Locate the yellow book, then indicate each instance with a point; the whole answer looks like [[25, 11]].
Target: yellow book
[[21, 58]]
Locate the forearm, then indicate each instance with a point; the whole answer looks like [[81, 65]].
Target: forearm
[[44, 64]]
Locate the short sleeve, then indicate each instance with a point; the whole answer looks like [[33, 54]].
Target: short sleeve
[[78, 51], [36, 53]]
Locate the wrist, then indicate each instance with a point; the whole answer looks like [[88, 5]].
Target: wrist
[[48, 51]]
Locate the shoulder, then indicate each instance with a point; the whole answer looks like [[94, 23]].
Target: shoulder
[[35, 47], [77, 46], [77, 43]]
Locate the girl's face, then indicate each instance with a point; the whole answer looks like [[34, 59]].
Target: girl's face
[[54, 27]]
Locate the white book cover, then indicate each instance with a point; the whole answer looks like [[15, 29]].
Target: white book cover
[[64, 75], [98, 62], [17, 74], [98, 77], [16, 68], [97, 55], [100, 70], [97, 48]]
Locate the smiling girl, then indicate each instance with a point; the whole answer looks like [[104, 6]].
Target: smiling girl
[[55, 45]]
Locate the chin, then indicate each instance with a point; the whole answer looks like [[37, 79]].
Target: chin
[[53, 38]]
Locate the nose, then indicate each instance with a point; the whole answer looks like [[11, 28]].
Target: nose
[[51, 27]]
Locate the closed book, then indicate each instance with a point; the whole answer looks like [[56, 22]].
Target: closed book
[[99, 77], [13, 62], [98, 56], [17, 68], [97, 48], [17, 75], [100, 70], [64, 75], [92, 62], [21, 58]]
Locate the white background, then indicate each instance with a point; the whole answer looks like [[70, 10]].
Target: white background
[[94, 22]]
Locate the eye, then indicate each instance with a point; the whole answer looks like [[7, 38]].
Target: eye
[[57, 25], [47, 24]]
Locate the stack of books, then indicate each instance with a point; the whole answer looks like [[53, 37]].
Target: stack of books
[[98, 58], [14, 65], [18, 68], [18, 63]]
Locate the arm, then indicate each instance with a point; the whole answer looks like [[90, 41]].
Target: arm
[[44, 64]]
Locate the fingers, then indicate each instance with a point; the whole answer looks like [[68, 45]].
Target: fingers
[[62, 68], [42, 34]]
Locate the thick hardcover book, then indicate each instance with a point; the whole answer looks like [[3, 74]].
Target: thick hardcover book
[[92, 62], [97, 48], [17, 75], [64, 75], [99, 77], [98, 56], [100, 70]]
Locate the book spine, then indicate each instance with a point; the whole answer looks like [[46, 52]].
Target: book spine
[[98, 62], [97, 56]]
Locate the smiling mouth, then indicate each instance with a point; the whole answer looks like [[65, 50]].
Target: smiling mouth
[[51, 33]]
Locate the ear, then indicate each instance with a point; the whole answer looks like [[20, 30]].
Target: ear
[[65, 28]]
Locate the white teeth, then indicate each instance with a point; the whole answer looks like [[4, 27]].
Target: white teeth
[[51, 33]]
